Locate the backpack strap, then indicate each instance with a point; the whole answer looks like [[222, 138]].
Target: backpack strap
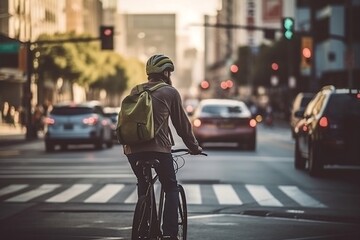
[[157, 86]]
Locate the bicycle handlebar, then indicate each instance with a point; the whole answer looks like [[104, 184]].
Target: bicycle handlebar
[[186, 151]]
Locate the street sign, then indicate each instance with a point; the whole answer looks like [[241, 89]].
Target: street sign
[[9, 47]]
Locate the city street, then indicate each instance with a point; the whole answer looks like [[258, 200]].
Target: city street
[[82, 193]]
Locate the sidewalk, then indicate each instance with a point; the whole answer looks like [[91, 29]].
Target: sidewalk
[[11, 135]]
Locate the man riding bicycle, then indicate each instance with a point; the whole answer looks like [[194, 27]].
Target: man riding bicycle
[[166, 103]]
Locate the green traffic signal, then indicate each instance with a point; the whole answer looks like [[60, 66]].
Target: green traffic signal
[[288, 26]]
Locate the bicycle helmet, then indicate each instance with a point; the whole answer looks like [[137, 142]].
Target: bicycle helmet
[[159, 63]]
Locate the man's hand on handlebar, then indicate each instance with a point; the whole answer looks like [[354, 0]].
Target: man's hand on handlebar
[[197, 151]]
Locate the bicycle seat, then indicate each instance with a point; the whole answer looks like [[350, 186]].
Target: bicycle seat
[[150, 163]]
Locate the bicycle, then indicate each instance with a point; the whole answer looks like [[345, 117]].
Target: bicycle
[[147, 218]]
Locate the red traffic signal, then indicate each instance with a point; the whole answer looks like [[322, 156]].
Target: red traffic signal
[[234, 68], [306, 52], [107, 37], [275, 66]]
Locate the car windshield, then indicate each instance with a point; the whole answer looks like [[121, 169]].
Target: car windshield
[[343, 105], [71, 110], [219, 110]]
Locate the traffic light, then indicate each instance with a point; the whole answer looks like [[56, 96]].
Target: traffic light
[[107, 37], [306, 52], [275, 66], [234, 68], [288, 28]]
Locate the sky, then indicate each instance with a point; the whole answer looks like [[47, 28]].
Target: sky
[[189, 11]]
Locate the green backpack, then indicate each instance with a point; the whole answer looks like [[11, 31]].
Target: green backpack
[[135, 121]]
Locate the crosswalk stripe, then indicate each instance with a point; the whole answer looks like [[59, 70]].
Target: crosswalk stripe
[[133, 197], [300, 197], [105, 193], [193, 193], [263, 196], [70, 193], [12, 188], [226, 194], [43, 189]]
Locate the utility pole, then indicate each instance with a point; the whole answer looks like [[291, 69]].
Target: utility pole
[[31, 132]]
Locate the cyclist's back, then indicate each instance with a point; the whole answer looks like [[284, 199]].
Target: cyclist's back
[[166, 104]]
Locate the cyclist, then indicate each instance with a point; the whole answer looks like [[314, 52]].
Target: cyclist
[[166, 104]]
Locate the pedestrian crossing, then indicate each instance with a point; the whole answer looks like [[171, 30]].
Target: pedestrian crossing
[[196, 194]]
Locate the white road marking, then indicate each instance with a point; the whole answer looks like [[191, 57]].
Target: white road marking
[[105, 193], [226, 194], [300, 197], [43, 189], [12, 188], [70, 193], [193, 193], [263, 196]]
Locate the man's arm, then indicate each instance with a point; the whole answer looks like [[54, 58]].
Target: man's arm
[[182, 125]]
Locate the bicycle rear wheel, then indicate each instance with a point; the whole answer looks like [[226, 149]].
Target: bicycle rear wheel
[[182, 214], [141, 220]]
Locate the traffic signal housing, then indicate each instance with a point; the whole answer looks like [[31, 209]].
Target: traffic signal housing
[[288, 28], [107, 37], [306, 52]]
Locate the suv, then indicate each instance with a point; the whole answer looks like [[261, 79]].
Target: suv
[[329, 132], [71, 123]]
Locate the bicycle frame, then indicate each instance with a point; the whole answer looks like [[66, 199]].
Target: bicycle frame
[[147, 216]]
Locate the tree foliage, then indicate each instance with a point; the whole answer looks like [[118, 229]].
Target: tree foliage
[[85, 64]]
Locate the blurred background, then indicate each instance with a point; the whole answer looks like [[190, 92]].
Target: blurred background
[[263, 52]]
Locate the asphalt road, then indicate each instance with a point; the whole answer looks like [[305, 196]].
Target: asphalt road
[[81, 193]]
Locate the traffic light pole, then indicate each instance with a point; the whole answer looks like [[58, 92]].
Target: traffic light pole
[[31, 132]]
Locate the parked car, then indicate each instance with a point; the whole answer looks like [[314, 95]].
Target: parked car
[[112, 113], [299, 104], [224, 120], [71, 123], [329, 132]]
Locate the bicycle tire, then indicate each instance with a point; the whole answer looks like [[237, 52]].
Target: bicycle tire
[[182, 214], [141, 219]]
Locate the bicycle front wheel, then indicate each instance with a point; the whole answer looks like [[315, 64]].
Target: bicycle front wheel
[[182, 214]]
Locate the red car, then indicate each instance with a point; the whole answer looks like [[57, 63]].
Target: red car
[[224, 120]]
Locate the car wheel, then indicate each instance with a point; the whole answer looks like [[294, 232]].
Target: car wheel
[[299, 162], [315, 164], [49, 147], [252, 145], [110, 144], [99, 144]]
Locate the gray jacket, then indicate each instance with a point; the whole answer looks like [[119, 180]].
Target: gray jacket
[[166, 104]]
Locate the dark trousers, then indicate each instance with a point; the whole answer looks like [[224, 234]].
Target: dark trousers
[[167, 178]]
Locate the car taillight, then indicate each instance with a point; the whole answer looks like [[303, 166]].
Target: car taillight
[[304, 128], [197, 123], [252, 123], [323, 122], [49, 121], [90, 121]]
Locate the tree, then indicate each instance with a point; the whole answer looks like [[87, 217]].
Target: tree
[[82, 63]]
